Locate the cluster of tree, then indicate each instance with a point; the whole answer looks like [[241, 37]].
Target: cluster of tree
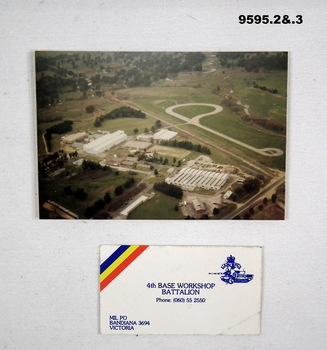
[[52, 162], [90, 109], [122, 112], [60, 128], [267, 123], [253, 61], [80, 194], [119, 190], [120, 200], [144, 68], [248, 186], [93, 209], [264, 88], [130, 70], [88, 165], [186, 145], [44, 62], [157, 125], [247, 215], [169, 189], [48, 88]]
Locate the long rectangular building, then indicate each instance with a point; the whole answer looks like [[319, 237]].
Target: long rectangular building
[[189, 179], [105, 142]]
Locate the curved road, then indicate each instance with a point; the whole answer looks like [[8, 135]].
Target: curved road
[[268, 152]]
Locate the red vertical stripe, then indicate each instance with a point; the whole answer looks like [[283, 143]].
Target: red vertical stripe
[[122, 266]]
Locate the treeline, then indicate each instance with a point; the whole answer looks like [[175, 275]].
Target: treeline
[[186, 145], [130, 70], [252, 62], [263, 88], [267, 123], [248, 186], [169, 189], [122, 112], [60, 128], [88, 165]]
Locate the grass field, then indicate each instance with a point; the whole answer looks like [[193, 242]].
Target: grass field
[[158, 207], [231, 125], [96, 184], [193, 111]]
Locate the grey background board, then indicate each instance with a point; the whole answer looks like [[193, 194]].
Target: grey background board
[[49, 269]]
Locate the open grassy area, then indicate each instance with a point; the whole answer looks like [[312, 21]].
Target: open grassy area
[[95, 183], [231, 125], [158, 207], [193, 111]]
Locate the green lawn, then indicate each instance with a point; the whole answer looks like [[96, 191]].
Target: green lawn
[[230, 124], [158, 207], [95, 183], [193, 111]]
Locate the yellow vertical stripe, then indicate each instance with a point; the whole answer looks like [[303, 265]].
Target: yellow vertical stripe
[[118, 261]]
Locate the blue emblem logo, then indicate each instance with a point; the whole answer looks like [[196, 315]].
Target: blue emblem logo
[[232, 273]]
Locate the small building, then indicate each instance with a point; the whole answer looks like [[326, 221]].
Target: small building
[[134, 205], [144, 137], [198, 206], [128, 163], [78, 161], [164, 135], [228, 194], [79, 136], [144, 166]]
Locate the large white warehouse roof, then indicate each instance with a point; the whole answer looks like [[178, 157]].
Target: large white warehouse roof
[[105, 142], [164, 135]]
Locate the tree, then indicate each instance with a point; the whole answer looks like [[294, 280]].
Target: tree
[[260, 207], [215, 211], [90, 109], [156, 172], [274, 198], [157, 124], [246, 216], [68, 191], [179, 163], [165, 161], [146, 130], [265, 201], [176, 207], [119, 190], [136, 130], [153, 129], [251, 211], [174, 160], [80, 194], [107, 197]]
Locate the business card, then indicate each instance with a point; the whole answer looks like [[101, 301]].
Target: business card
[[180, 289]]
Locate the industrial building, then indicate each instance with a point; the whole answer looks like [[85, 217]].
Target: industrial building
[[105, 142], [138, 145], [190, 179], [79, 136], [164, 135], [134, 205], [144, 137]]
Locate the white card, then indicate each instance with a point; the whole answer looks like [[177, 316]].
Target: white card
[[180, 289]]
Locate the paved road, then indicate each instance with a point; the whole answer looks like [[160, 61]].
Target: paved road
[[250, 202], [260, 168], [268, 152]]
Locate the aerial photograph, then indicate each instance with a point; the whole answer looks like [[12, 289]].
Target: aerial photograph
[[161, 135]]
